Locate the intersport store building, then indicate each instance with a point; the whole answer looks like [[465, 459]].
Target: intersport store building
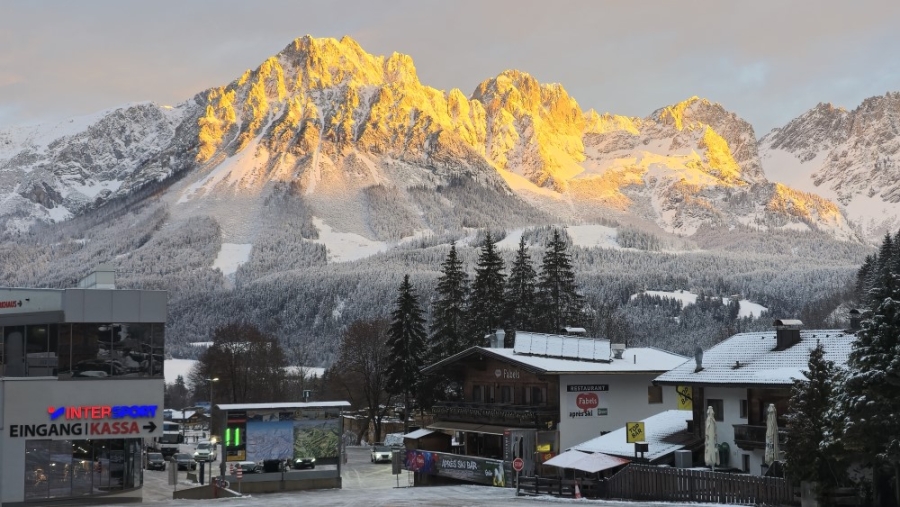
[[81, 387]]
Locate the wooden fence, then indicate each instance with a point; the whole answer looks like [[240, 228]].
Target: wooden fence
[[652, 483]]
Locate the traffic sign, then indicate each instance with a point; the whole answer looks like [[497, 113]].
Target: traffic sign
[[518, 464]]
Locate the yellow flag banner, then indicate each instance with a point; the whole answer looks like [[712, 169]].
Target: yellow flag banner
[[685, 398]]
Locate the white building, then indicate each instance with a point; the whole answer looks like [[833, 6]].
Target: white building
[[742, 375], [81, 387]]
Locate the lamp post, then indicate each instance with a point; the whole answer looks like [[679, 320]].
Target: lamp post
[[210, 381]]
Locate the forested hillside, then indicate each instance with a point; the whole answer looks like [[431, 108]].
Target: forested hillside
[[288, 289]]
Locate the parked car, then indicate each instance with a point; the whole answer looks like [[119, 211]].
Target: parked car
[[305, 463], [205, 451], [184, 461], [380, 453], [249, 467], [155, 461]]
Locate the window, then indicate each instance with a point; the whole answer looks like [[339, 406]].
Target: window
[[535, 395], [74, 468], [745, 462], [478, 394], [744, 409], [506, 394], [654, 394], [717, 406]]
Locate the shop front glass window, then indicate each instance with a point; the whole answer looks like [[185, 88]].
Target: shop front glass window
[[37, 464]]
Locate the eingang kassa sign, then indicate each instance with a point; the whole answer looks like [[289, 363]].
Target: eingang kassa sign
[[90, 421], [466, 468], [92, 409]]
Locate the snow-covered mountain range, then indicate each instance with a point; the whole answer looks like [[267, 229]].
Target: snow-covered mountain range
[[849, 157], [370, 151]]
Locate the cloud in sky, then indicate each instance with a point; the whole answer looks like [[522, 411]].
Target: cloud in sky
[[768, 61]]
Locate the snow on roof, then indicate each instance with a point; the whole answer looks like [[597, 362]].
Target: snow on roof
[[588, 462], [634, 360], [665, 432], [418, 433], [182, 415], [271, 406], [562, 346], [749, 359]]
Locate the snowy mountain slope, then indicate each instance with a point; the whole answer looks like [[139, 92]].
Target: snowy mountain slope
[[372, 152], [850, 157]]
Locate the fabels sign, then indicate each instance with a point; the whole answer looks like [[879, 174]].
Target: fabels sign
[[587, 401], [584, 400]]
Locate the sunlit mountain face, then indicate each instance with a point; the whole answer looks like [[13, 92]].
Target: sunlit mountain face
[[356, 137]]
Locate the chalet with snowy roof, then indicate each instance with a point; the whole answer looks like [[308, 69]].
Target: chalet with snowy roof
[[547, 393], [741, 376]]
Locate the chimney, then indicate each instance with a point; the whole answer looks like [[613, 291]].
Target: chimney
[[787, 333], [496, 340], [855, 320], [617, 349]]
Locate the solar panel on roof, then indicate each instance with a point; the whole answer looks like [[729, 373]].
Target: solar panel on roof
[[562, 346]]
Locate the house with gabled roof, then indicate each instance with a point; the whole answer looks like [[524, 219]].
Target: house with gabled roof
[[741, 376], [547, 393]]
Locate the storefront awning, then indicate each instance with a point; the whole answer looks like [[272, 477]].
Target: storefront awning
[[587, 462], [469, 427]]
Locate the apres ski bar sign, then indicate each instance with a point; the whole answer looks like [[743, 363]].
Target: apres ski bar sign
[[88, 421]]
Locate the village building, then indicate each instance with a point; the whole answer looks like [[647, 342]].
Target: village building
[[81, 390], [741, 376], [545, 394]]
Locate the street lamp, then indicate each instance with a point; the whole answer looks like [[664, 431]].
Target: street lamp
[[210, 381]]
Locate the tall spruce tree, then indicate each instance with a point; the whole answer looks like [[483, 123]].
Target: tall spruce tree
[[448, 314], [486, 300], [407, 341], [521, 295], [871, 397], [559, 303], [811, 455]]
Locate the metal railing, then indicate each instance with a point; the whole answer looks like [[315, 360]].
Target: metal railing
[[495, 413]]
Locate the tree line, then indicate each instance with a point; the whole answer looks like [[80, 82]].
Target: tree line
[[845, 418]]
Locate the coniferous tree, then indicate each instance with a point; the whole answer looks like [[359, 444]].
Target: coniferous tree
[[871, 398], [486, 300], [448, 324], [407, 344], [559, 303], [520, 295], [811, 453]]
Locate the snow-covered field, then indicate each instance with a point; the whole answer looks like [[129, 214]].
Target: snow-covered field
[[748, 309], [172, 368], [231, 256]]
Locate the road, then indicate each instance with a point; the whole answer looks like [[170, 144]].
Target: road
[[367, 484]]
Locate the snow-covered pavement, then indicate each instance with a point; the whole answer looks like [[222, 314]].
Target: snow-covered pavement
[[367, 485]]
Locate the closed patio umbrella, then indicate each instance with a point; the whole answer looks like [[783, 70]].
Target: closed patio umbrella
[[711, 450], [771, 436]]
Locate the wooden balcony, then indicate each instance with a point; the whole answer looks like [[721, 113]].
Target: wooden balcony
[[533, 416], [750, 437]]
